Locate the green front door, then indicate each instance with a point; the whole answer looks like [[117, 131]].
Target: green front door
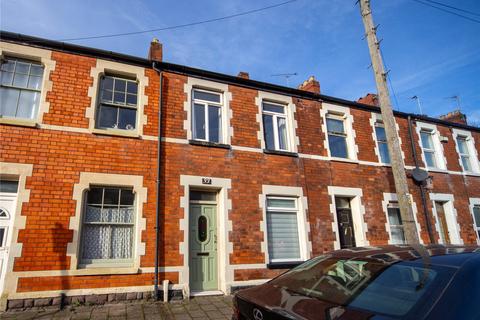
[[203, 247]]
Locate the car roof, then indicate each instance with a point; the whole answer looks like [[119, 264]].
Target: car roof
[[447, 255]]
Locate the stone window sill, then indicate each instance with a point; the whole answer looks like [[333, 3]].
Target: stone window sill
[[116, 132], [281, 153], [343, 160], [284, 265], [209, 144], [19, 122], [91, 270]]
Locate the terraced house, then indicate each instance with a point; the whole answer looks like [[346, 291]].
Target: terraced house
[[103, 153]]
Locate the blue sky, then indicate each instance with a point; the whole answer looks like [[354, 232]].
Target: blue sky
[[431, 54]]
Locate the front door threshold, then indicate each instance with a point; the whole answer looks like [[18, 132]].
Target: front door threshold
[[206, 293]]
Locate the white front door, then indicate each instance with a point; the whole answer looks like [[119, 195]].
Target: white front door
[[8, 205]]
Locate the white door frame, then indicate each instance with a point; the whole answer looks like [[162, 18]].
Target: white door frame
[[450, 217], [7, 223]]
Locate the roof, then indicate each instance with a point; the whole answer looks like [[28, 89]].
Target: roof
[[205, 74]]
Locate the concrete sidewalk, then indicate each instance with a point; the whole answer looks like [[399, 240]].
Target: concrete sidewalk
[[214, 307]]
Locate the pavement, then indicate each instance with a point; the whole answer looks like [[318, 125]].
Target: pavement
[[212, 307]]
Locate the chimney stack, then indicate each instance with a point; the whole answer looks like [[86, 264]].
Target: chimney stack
[[243, 74], [370, 99], [311, 85], [455, 116], [155, 53]]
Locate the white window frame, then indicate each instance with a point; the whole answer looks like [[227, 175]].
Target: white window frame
[[379, 124], [393, 198], [472, 151], [118, 106], [206, 104], [89, 263], [344, 112], [276, 116], [475, 203], [285, 210], [394, 205], [305, 244], [440, 160]]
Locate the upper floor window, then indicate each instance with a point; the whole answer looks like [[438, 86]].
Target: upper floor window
[[20, 88], [397, 233], [117, 106], [337, 136], [282, 229], [463, 150], [382, 142], [428, 148], [108, 226], [476, 217], [275, 126], [207, 116]]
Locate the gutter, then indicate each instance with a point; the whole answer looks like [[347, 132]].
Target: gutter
[[157, 216]]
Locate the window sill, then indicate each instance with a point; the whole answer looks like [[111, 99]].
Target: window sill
[[19, 122], [437, 170], [209, 144], [95, 270], [281, 153], [117, 132], [284, 265], [344, 160]]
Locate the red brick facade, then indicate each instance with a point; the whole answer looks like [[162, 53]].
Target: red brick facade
[[61, 147]]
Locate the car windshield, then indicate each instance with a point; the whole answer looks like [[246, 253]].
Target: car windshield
[[393, 289]]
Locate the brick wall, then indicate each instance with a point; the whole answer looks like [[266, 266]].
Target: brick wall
[[59, 156]]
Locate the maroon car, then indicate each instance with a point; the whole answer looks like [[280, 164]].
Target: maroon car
[[386, 282]]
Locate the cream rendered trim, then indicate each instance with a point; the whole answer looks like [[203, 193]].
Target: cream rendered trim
[[376, 117], [22, 171], [389, 197], [292, 125], [42, 55], [474, 202], [439, 153], [192, 83], [224, 227], [303, 224], [105, 179], [450, 217], [104, 66], [358, 212], [351, 134], [471, 150]]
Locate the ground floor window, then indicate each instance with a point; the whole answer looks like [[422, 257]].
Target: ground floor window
[[397, 233], [282, 229], [476, 215], [108, 226]]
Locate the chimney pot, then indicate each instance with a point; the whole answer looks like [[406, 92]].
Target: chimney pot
[[155, 53]]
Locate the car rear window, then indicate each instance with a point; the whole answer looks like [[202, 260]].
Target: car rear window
[[393, 289]]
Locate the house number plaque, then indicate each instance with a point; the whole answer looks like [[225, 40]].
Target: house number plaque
[[206, 181]]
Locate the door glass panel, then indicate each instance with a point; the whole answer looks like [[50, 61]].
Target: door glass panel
[[8, 186], [342, 202], [202, 228], [2, 236], [203, 196]]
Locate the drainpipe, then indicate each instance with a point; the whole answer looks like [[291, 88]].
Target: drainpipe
[[421, 186], [157, 218]]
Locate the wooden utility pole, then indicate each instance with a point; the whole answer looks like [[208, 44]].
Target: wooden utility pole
[[398, 167]]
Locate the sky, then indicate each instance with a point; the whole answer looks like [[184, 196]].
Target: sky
[[429, 53]]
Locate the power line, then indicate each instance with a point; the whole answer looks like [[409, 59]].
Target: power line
[[448, 11], [181, 25], [454, 8]]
